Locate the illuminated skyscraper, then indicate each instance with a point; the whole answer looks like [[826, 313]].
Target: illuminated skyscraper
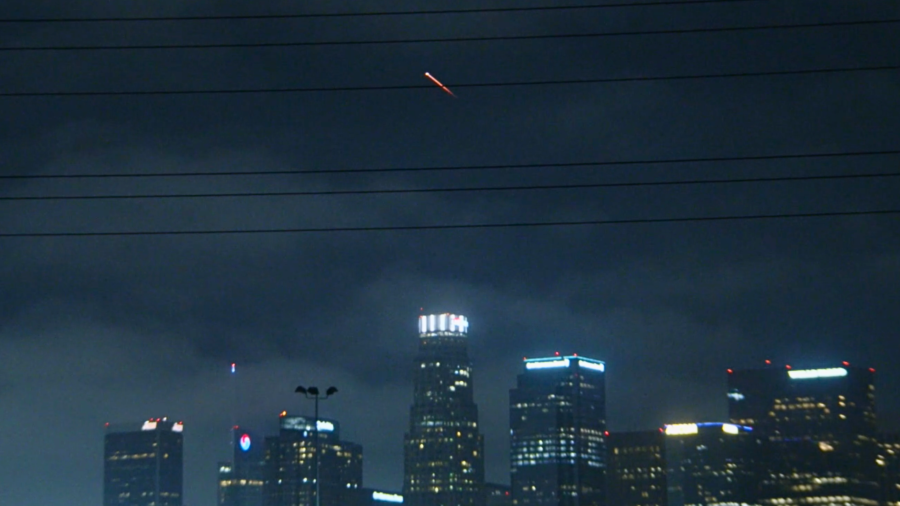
[[888, 461], [241, 480], [636, 470], [143, 464], [290, 465], [443, 448], [818, 430], [557, 418], [711, 464]]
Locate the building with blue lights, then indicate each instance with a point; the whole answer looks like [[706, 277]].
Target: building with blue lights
[[818, 432], [143, 464], [242, 480], [443, 447], [291, 464], [557, 416]]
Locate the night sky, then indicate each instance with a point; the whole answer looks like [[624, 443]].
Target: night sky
[[122, 328]]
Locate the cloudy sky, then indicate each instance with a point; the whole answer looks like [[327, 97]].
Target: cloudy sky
[[121, 328]]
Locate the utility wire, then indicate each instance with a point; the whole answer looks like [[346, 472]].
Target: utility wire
[[791, 156], [555, 82], [456, 190], [400, 228], [434, 40], [238, 17]]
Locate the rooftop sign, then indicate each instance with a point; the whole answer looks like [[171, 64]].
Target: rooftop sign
[[833, 372], [554, 362], [443, 323]]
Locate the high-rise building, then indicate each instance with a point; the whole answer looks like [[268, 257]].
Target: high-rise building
[[888, 460], [557, 418], [710, 464], [291, 464], [242, 479], [636, 468], [497, 495], [818, 432], [443, 448], [143, 464]]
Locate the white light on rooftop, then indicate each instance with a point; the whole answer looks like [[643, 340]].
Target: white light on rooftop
[[681, 429], [833, 372]]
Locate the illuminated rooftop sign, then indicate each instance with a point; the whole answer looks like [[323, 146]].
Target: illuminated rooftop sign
[[689, 429], [386, 497], [446, 322], [833, 372], [303, 423], [555, 362], [681, 429]]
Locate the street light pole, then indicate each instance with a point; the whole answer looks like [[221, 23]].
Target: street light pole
[[313, 393]]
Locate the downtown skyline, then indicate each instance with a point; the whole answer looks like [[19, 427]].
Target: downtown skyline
[[97, 329]]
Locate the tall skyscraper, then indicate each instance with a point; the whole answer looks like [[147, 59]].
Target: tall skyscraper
[[711, 464], [636, 470], [557, 418], [242, 479], [291, 464], [888, 461], [818, 430], [143, 464], [443, 448]]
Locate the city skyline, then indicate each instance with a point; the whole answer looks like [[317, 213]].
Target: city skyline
[[673, 189]]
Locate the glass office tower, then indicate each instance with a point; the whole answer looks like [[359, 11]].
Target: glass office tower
[[818, 430], [636, 468], [242, 479], [443, 448], [143, 464], [557, 417]]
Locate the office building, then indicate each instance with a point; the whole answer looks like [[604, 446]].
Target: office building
[[888, 462], [291, 464], [241, 480], [818, 432], [443, 448], [711, 464], [636, 468], [557, 417], [143, 464]]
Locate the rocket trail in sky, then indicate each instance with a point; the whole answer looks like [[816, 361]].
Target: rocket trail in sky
[[435, 81]]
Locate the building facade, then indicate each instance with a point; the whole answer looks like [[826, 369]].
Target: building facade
[[711, 464], [443, 447], [242, 480], [143, 464], [291, 464], [636, 468], [888, 462], [557, 416], [818, 432]]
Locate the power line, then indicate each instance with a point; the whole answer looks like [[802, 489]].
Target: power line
[[555, 82], [401, 228], [790, 156], [690, 182], [434, 40], [239, 17]]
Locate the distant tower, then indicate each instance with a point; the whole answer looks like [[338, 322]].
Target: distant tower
[[819, 432], [557, 418], [241, 480], [143, 464], [443, 448]]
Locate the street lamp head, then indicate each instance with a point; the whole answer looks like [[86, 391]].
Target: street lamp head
[[313, 390], [331, 391], [300, 390]]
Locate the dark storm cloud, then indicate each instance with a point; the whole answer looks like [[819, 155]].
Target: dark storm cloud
[[115, 329]]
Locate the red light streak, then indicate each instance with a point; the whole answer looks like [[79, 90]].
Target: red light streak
[[435, 81]]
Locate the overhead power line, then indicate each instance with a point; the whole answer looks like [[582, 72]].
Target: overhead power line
[[789, 156], [410, 228], [578, 186], [435, 40], [488, 10], [555, 82]]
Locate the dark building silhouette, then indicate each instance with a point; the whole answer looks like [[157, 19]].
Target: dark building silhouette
[[291, 469], [888, 462], [818, 430], [636, 468], [557, 417], [241, 480], [143, 464], [711, 464], [443, 447]]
